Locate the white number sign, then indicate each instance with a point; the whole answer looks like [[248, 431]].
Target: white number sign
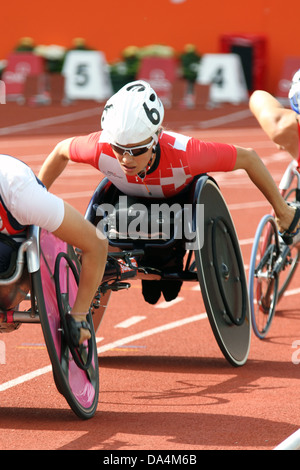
[[225, 74], [86, 76]]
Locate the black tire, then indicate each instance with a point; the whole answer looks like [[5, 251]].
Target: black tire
[[221, 274], [263, 280], [79, 387]]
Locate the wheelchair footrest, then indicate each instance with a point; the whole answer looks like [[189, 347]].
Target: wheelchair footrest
[[115, 286], [180, 276]]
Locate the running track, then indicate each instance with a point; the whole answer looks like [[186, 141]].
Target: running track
[[164, 384]]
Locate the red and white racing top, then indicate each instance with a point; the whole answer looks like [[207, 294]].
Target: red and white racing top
[[178, 160]]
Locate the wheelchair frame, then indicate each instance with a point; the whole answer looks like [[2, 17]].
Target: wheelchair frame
[[54, 271], [230, 327], [273, 263]]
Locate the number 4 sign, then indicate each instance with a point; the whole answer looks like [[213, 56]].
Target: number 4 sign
[[225, 74], [86, 76]]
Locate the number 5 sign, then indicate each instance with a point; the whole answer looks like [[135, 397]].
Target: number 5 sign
[[225, 74], [86, 76]]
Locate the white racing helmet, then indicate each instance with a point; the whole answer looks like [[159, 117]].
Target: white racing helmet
[[294, 93], [133, 114]]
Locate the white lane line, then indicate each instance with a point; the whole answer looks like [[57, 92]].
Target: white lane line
[[247, 205], [152, 331], [291, 292], [130, 321], [290, 443], [49, 121], [25, 378], [237, 116], [75, 195], [107, 347], [246, 241]]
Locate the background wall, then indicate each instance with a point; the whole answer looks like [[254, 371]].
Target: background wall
[[110, 26]]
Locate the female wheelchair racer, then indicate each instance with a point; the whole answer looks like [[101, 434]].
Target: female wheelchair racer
[[143, 161], [200, 248]]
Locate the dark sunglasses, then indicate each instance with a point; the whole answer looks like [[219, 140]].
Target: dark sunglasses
[[133, 151]]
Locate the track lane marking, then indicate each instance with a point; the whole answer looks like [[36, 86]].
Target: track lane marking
[[107, 347], [31, 375], [152, 331], [130, 321], [25, 378], [49, 121]]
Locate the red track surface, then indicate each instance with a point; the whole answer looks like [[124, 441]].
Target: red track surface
[[164, 388]]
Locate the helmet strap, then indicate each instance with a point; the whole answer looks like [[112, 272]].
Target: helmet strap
[[142, 174]]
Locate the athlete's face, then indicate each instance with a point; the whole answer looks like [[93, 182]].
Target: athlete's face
[[132, 165]]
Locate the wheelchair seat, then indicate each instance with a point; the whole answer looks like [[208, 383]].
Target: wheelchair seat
[[213, 258], [161, 229], [149, 222]]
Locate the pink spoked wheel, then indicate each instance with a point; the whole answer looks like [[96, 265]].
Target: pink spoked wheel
[[82, 355], [55, 285]]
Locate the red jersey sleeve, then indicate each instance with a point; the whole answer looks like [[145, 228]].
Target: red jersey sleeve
[[86, 149], [205, 157]]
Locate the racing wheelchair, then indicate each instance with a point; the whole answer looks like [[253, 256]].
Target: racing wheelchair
[[201, 234], [47, 270], [273, 263], [46, 273]]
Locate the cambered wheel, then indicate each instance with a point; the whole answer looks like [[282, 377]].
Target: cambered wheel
[[221, 275], [77, 381], [263, 278]]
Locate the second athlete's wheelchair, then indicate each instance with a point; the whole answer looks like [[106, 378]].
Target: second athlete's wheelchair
[[273, 263], [46, 273], [196, 226]]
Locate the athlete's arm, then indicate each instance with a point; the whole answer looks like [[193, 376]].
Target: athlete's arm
[[55, 163], [77, 231], [279, 123], [32, 204], [248, 160]]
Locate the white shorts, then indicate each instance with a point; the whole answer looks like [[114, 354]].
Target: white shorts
[[27, 200]]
